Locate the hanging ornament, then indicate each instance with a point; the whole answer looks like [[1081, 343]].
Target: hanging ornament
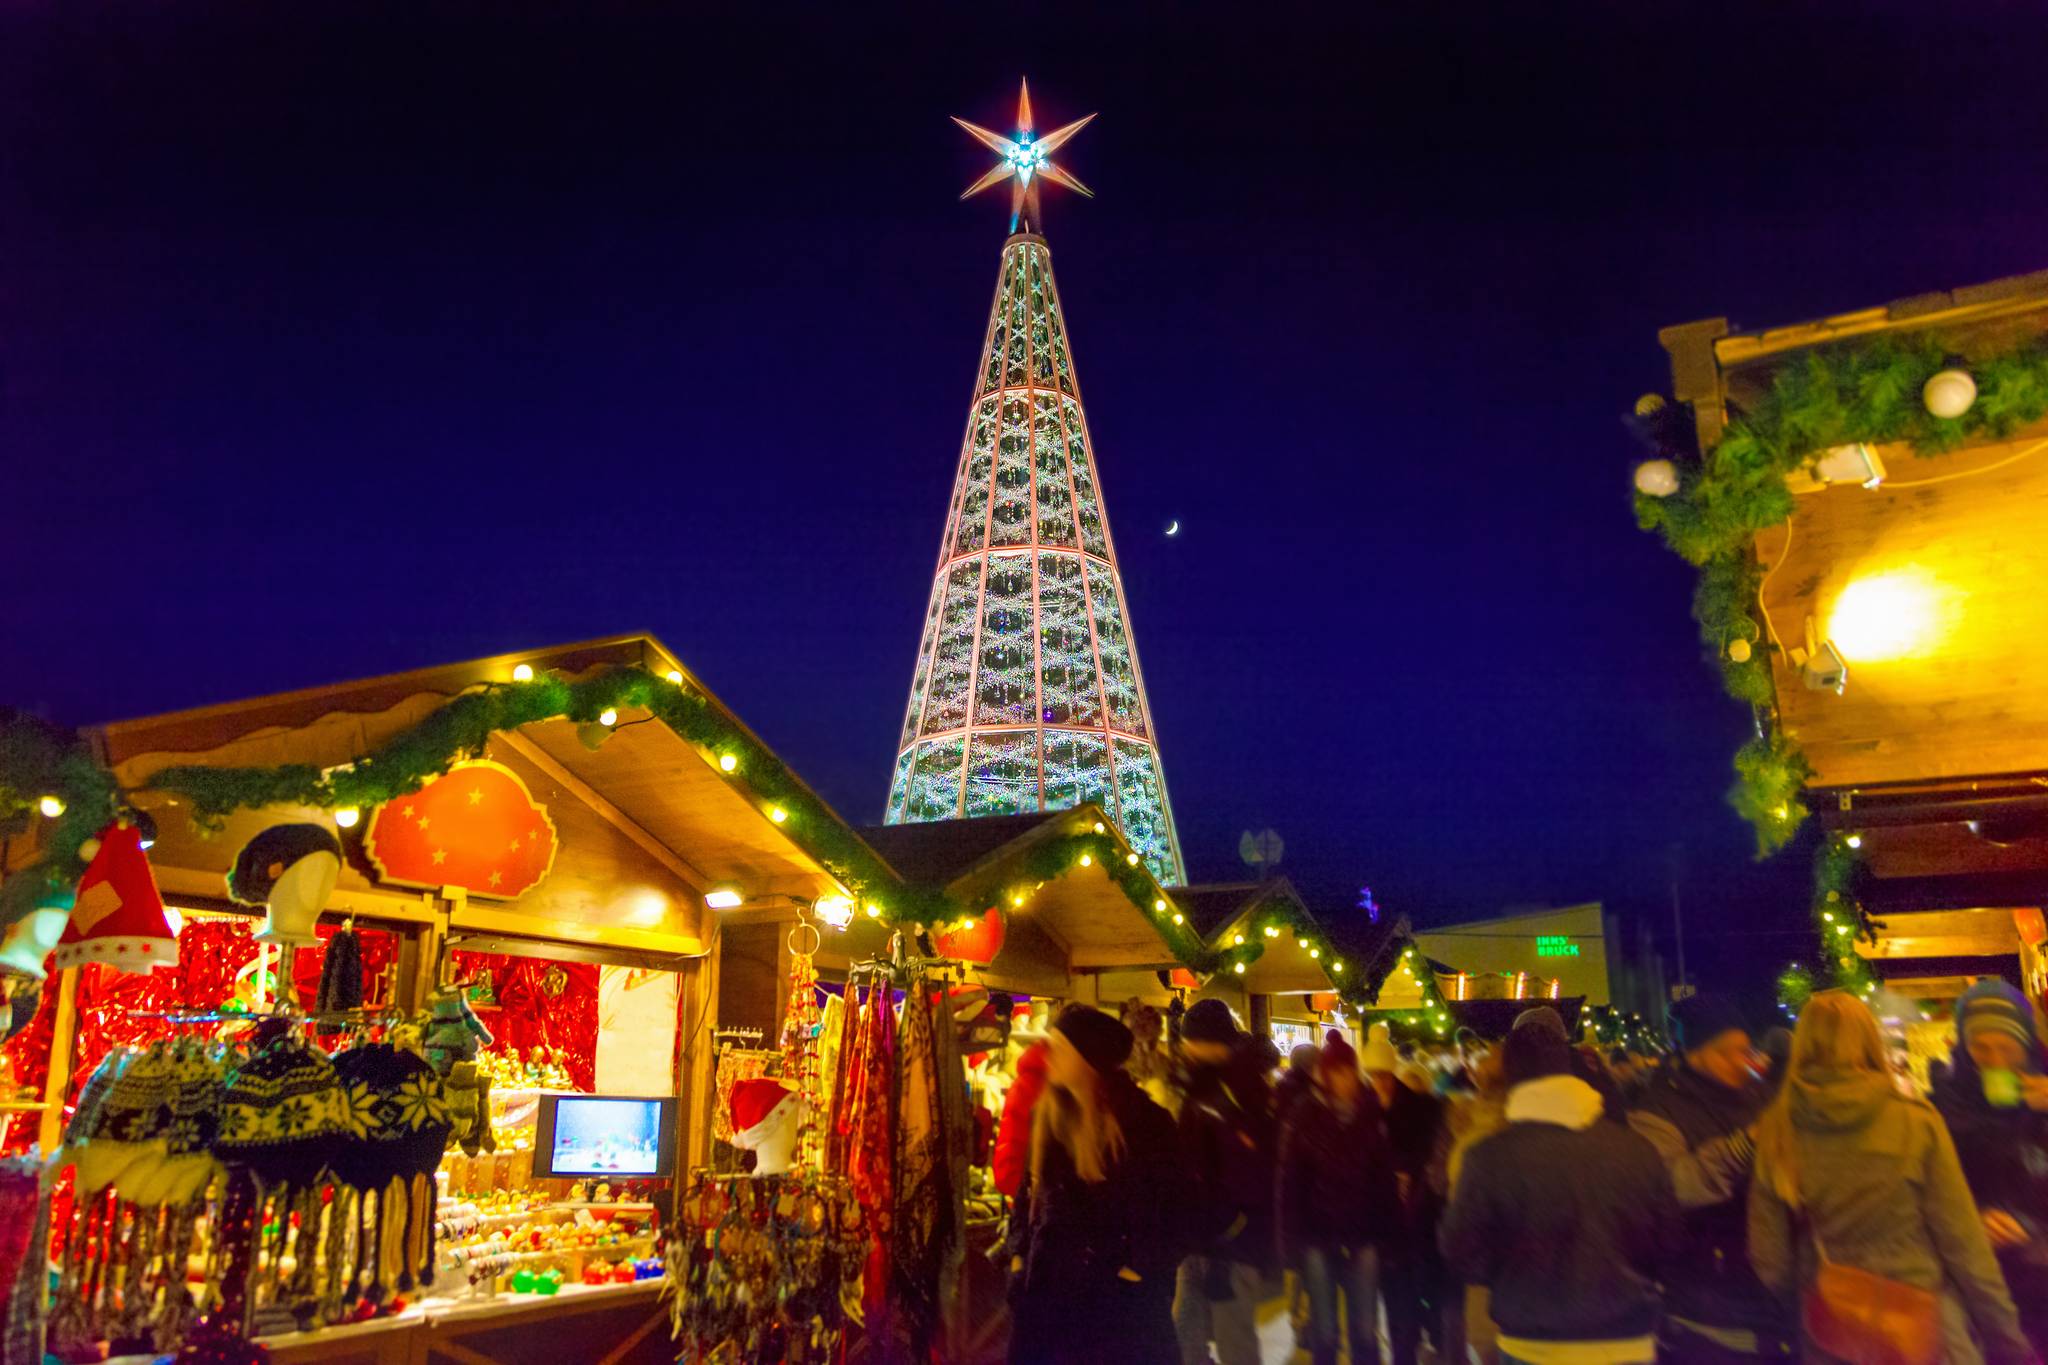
[[118, 917], [1657, 478], [800, 1021], [1739, 650], [1949, 393]]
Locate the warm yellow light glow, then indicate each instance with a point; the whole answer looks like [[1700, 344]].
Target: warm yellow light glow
[[1237, 940], [1891, 615], [777, 814], [1179, 918], [1855, 841], [1301, 943], [1315, 952], [608, 717], [1338, 965], [1239, 969], [1131, 858], [346, 816], [874, 911], [522, 673], [1099, 829], [1086, 861], [675, 675], [1828, 915], [727, 762], [1159, 906], [1272, 931], [51, 806], [836, 911], [1017, 899], [723, 898]]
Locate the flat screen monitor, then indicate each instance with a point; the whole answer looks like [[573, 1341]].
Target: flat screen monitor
[[629, 1137]]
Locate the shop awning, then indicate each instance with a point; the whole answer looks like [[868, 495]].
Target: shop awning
[[1285, 966]]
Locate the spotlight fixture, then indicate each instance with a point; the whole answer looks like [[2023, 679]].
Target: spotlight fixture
[[1857, 463], [836, 911], [1821, 666], [723, 898]]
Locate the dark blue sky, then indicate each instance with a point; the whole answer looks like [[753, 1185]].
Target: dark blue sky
[[336, 340]]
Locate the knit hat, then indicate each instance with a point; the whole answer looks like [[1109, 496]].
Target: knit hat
[[754, 1100], [118, 918], [1103, 1042], [1543, 1017], [398, 1122], [1533, 1052], [1379, 1054], [283, 1113], [1209, 1021], [1700, 1019], [290, 870], [1995, 1007], [1336, 1056]]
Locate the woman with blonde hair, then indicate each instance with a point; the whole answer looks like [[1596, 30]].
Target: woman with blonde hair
[[1103, 1237], [1853, 1174]]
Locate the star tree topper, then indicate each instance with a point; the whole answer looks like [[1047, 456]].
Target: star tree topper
[[1025, 160]]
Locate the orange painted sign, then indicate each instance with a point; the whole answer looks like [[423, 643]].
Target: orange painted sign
[[978, 943], [475, 826]]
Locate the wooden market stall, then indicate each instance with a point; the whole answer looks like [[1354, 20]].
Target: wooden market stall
[[1881, 607], [564, 869]]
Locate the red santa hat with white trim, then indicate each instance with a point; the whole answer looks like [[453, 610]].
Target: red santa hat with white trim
[[118, 918], [755, 1103]]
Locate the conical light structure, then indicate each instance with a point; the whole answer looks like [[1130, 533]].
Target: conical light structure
[[1027, 694]]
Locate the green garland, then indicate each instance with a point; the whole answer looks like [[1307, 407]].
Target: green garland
[[37, 760], [1831, 396]]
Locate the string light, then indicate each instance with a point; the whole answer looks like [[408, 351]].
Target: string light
[[727, 762], [777, 814], [874, 911], [1159, 906], [522, 673], [1131, 858], [346, 816], [51, 806], [1237, 940], [1017, 898], [1272, 931], [1854, 841], [1239, 969], [1301, 942], [1179, 918], [1338, 965], [1315, 952], [1100, 828], [675, 675], [608, 717], [1086, 861]]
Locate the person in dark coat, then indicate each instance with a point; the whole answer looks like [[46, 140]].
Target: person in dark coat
[[1335, 1204], [1699, 1110], [1994, 1099], [1564, 1215], [1109, 1195], [1412, 1279], [1227, 1136], [1296, 1083]]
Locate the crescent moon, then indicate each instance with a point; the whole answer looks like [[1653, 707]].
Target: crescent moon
[[1174, 528]]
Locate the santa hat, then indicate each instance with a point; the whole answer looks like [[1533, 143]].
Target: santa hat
[[119, 916], [754, 1102]]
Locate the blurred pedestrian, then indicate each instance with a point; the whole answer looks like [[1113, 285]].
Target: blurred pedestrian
[[1108, 1192], [1564, 1214], [1335, 1205], [1227, 1136], [1411, 1269], [1699, 1111], [1851, 1172], [1994, 1097]]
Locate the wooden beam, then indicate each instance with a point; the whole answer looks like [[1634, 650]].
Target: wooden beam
[[625, 824], [469, 917]]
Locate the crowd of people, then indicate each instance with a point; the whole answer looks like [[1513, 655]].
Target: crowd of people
[[1533, 1200]]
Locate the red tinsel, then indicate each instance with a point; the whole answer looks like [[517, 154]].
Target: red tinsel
[[542, 1003]]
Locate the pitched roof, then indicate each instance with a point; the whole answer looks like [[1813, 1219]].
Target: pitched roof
[[936, 852]]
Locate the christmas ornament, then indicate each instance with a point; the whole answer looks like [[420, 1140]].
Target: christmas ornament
[[290, 871], [118, 916], [27, 948], [1949, 393], [1657, 478], [1739, 650]]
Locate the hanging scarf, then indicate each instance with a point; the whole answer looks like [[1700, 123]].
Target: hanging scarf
[[919, 1227]]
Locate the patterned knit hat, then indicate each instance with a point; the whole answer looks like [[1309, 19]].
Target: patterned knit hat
[[398, 1122], [178, 1160], [283, 1113]]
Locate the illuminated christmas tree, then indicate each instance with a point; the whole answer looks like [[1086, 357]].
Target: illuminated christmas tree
[[1027, 693]]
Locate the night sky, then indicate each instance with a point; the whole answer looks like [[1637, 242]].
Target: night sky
[[342, 340]]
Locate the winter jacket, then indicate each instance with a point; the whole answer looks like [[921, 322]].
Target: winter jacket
[[1565, 1216], [1012, 1160], [1335, 1181], [1227, 1137], [2004, 1153], [1700, 1128], [1882, 1190], [1073, 1306]]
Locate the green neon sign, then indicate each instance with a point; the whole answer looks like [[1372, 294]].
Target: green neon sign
[[1556, 945]]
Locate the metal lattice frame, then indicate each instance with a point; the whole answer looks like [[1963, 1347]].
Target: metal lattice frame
[[1027, 693]]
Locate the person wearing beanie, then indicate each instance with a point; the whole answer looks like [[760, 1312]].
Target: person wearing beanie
[[1994, 1099], [1105, 1226], [1336, 1207], [1563, 1215], [1699, 1110], [1226, 1134], [1412, 1281]]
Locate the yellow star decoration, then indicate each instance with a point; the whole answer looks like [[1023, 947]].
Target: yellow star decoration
[[406, 810], [514, 848], [426, 820], [497, 877], [476, 796], [1024, 159], [440, 855]]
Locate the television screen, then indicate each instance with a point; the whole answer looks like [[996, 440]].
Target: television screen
[[605, 1135]]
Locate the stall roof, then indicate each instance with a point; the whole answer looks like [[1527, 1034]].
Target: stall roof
[[1284, 967], [660, 799]]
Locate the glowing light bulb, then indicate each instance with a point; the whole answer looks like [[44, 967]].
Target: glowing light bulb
[[1301, 942], [723, 898], [1272, 931], [1099, 828], [346, 816], [1315, 952], [874, 911], [1338, 965], [1892, 615], [608, 717], [1017, 899], [1237, 940], [777, 814], [1179, 918], [1131, 858], [522, 673], [1239, 969], [51, 806], [1159, 906], [1087, 861], [675, 675], [1854, 841], [727, 762]]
